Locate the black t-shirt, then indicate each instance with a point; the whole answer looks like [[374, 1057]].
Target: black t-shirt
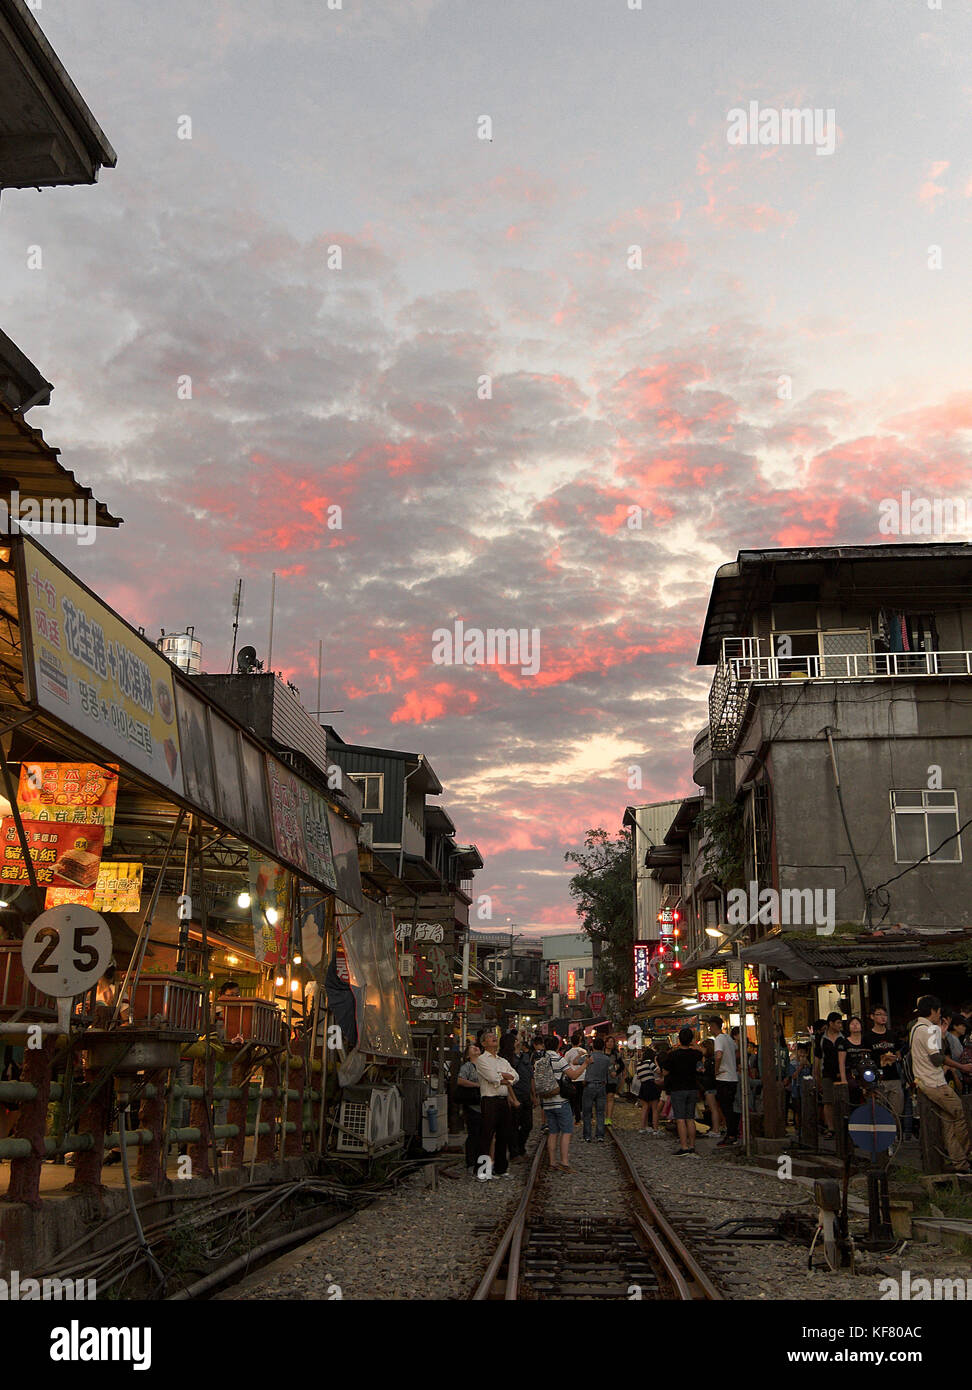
[[880, 1043], [681, 1068], [829, 1049]]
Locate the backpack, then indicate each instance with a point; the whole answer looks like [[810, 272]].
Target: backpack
[[544, 1079]]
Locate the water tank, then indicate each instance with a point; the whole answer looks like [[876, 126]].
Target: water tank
[[183, 649]]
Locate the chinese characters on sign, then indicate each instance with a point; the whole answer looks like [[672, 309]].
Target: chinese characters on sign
[[288, 830], [553, 975], [642, 960], [714, 987], [75, 793], [96, 675], [64, 856], [571, 984], [119, 889]]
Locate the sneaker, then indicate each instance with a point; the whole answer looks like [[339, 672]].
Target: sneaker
[[682, 1153], [586, 1139], [485, 1177], [500, 1176], [599, 1139], [692, 1153]]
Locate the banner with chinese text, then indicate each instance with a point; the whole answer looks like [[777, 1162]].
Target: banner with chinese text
[[97, 676], [64, 856], [119, 889], [75, 793]]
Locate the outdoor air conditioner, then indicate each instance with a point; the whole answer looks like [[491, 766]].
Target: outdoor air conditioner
[[369, 1118]]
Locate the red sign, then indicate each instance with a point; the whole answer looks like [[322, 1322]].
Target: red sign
[[596, 999], [64, 855], [553, 973], [572, 985]]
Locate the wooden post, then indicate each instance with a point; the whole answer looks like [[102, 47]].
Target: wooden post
[[809, 1128], [236, 1115], [152, 1117], [94, 1121], [294, 1109], [31, 1124], [271, 1109], [200, 1118]]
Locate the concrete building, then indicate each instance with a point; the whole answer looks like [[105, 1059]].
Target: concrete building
[[849, 661]]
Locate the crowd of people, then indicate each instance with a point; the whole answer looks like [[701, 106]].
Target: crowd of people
[[694, 1084]]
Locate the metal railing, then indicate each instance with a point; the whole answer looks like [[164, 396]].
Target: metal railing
[[755, 669]]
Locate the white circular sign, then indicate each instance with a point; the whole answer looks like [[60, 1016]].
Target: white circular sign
[[66, 950]]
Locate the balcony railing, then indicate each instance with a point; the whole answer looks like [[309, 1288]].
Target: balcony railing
[[749, 661]]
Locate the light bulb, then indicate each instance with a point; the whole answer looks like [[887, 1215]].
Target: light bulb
[[243, 900], [271, 915], [297, 960], [279, 982]]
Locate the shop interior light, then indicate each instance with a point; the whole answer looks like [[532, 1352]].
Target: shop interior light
[[713, 931], [271, 915], [232, 960], [297, 960], [294, 986], [243, 900], [279, 982], [3, 904]]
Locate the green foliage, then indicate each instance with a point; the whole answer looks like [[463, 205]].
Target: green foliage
[[723, 853], [603, 894]]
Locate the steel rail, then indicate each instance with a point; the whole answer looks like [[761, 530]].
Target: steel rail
[[511, 1244], [688, 1276]]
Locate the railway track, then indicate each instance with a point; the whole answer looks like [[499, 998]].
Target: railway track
[[608, 1240]]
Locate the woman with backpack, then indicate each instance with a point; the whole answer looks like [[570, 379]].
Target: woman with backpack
[[552, 1077]]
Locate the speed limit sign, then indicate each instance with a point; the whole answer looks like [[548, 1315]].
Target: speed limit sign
[[66, 950]]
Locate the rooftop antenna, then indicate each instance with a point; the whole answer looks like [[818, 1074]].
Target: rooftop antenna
[[237, 601], [273, 602]]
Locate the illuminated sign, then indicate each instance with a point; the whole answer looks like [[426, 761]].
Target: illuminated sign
[[668, 919], [714, 987], [571, 984], [642, 962], [553, 975]]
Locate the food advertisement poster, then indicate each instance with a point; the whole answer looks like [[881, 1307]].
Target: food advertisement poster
[[270, 896], [76, 793], [97, 676], [65, 856], [288, 828], [119, 889], [317, 836]]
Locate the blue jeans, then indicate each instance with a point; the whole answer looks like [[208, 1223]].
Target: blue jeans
[[595, 1098]]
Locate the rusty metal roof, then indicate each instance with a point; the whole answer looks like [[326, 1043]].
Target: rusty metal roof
[[30, 466]]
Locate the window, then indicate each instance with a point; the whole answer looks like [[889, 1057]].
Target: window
[[920, 821], [372, 786]]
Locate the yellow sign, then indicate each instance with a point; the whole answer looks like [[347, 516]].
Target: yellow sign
[[571, 984], [119, 889], [77, 793], [98, 676], [714, 987]]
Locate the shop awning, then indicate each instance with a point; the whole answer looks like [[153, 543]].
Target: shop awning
[[820, 962]]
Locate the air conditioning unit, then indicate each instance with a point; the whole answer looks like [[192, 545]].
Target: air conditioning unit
[[369, 1119]]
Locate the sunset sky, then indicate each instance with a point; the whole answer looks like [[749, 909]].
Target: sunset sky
[[784, 358]]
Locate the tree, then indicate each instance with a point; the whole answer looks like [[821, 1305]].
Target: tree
[[603, 895]]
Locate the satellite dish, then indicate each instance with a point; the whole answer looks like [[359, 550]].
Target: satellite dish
[[246, 661]]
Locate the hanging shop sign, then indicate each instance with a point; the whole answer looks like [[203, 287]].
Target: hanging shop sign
[[96, 675], [432, 947], [553, 976], [317, 835], [572, 985], [73, 793], [714, 987], [118, 889], [668, 919], [64, 856], [288, 831], [642, 963]]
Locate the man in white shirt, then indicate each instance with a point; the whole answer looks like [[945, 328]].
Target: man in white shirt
[[573, 1057], [494, 1097], [727, 1079], [928, 1058]]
